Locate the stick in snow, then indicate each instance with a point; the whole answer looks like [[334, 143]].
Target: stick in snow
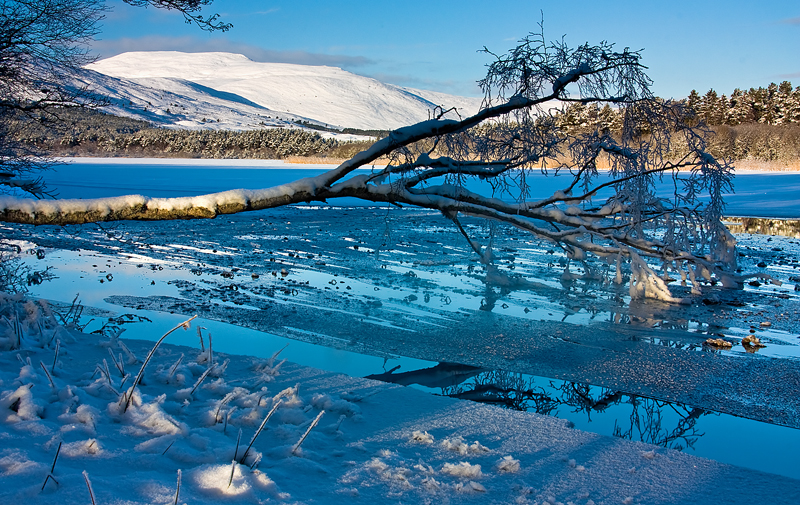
[[200, 336], [129, 396], [55, 357], [52, 384], [238, 439], [175, 366], [178, 490], [53, 468], [120, 366], [89, 485], [256, 462], [131, 357], [233, 470], [314, 423], [165, 450], [258, 431], [200, 380], [210, 353]]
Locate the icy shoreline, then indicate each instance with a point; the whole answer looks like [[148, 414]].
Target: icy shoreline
[[376, 442]]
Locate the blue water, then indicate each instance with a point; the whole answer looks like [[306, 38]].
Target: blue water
[[771, 194]]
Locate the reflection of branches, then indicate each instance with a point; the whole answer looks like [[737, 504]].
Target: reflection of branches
[[647, 425], [511, 390], [647, 418], [579, 397]]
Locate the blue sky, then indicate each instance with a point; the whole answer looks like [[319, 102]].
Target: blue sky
[[434, 44]]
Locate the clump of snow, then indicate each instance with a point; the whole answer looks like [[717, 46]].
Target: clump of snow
[[470, 487], [508, 464], [457, 444], [15, 462], [421, 437], [463, 470]]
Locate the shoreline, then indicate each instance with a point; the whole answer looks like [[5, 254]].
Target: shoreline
[[299, 163]]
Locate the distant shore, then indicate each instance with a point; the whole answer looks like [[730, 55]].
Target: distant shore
[[297, 162], [210, 162]]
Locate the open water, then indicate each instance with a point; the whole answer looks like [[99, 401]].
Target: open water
[[768, 195]]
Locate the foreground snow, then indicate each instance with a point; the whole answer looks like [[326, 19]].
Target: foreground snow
[[61, 391]]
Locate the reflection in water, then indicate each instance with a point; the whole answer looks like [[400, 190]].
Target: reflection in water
[[648, 420], [764, 226]]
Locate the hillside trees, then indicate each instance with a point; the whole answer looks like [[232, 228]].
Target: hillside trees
[[480, 166], [777, 104], [42, 44]]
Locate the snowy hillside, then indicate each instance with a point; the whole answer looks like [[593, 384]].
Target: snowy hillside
[[224, 90]]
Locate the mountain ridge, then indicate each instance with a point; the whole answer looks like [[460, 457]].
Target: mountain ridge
[[229, 91]]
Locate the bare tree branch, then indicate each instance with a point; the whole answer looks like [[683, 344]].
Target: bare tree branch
[[482, 166]]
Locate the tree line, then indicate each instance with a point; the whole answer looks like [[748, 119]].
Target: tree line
[[777, 104], [82, 132], [760, 124]]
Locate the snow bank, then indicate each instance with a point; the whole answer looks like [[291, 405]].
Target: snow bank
[[60, 419]]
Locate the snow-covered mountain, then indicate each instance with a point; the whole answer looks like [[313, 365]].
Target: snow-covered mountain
[[230, 91]]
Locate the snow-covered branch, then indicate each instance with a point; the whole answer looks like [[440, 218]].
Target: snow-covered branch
[[482, 166]]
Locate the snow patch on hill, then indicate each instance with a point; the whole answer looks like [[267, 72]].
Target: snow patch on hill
[[229, 91]]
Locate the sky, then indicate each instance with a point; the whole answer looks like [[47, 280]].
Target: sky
[[435, 44]]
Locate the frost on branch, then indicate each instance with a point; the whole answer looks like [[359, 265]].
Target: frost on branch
[[482, 166]]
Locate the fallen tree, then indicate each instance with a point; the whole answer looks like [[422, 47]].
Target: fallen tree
[[616, 215]]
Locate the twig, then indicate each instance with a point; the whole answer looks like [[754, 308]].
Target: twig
[[272, 358], [120, 366], [129, 396], [53, 468], [233, 470], [175, 366], [313, 423], [222, 403], [238, 438], [131, 357], [106, 369], [52, 384], [200, 380], [210, 353], [89, 485], [165, 450], [258, 432], [227, 418], [178, 490], [200, 336], [55, 357]]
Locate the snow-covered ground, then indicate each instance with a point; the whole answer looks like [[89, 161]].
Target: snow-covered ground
[[205, 427], [229, 91]]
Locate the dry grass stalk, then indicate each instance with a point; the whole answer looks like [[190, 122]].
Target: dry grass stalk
[[310, 427], [178, 489], [55, 356], [258, 431], [52, 384], [52, 468], [89, 485], [128, 397]]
